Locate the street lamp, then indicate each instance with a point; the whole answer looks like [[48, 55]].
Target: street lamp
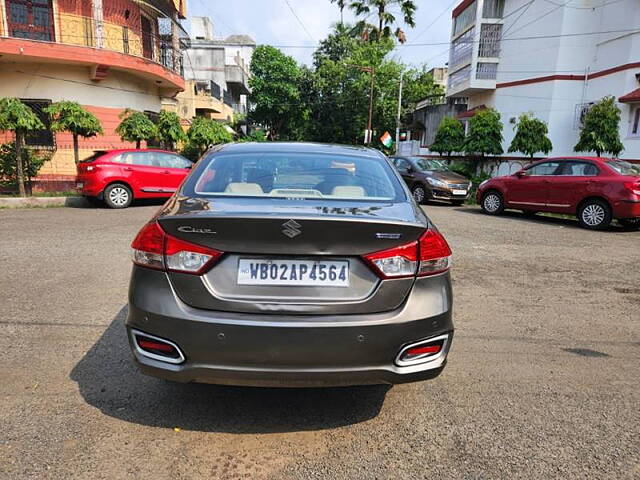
[[372, 71]]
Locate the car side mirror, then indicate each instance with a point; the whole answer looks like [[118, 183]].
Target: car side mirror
[[521, 173]]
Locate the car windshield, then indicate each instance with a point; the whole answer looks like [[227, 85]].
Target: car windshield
[[624, 168], [297, 175], [425, 164]]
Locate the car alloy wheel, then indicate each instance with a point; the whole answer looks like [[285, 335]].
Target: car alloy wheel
[[593, 215], [419, 194], [492, 203]]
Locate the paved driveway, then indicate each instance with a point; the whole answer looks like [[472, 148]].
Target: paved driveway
[[543, 379]]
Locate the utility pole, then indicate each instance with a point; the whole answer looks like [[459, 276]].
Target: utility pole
[[399, 111], [372, 71]]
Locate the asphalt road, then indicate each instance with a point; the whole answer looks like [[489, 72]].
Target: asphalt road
[[542, 382]]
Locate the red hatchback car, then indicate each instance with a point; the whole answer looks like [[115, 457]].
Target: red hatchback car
[[597, 190], [117, 177]]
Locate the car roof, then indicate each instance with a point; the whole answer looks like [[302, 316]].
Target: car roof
[[127, 150], [593, 159], [298, 147]]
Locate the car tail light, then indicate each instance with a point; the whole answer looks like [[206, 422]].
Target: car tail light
[[634, 187], [395, 262], [428, 256], [423, 351], [154, 248], [435, 254]]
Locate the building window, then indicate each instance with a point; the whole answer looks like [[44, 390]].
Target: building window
[[461, 49], [493, 9], [634, 131], [490, 34], [39, 138], [466, 18], [30, 19], [486, 71], [461, 76]]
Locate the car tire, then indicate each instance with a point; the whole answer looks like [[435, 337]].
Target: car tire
[[457, 203], [492, 203], [419, 194], [630, 223], [118, 195], [594, 214]]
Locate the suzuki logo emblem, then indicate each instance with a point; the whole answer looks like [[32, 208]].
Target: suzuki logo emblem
[[291, 228]]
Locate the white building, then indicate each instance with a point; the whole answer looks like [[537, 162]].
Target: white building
[[581, 50]]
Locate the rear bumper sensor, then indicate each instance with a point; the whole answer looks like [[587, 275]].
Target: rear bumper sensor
[[429, 351], [156, 348]]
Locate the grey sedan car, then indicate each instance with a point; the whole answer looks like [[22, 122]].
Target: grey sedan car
[[291, 264]]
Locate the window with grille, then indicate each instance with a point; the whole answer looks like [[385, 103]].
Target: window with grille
[[490, 35], [460, 76], [39, 138], [466, 18], [486, 71], [461, 49], [493, 9]]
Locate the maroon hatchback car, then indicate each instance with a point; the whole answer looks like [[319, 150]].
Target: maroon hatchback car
[[117, 177], [596, 190]]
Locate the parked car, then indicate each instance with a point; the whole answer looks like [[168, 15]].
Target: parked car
[[291, 264], [429, 178], [597, 190], [117, 177]]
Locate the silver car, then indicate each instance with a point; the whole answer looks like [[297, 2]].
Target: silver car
[[291, 264]]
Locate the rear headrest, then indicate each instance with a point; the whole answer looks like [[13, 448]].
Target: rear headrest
[[244, 188], [348, 191]]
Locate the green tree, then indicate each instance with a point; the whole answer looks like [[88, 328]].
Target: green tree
[[205, 132], [485, 134], [449, 137], [600, 129], [531, 136], [31, 161], [136, 127], [18, 118], [170, 131], [275, 92], [384, 10], [71, 117]]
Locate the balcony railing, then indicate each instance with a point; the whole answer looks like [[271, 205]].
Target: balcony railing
[[143, 36]]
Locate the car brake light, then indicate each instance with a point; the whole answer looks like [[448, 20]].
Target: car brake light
[[90, 167], [154, 248], [435, 254], [634, 187], [428, 256]]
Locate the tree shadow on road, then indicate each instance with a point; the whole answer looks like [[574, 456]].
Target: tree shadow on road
[[108, 380]]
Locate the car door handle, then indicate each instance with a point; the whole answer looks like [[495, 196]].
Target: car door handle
[[128, 169], [166, 171]]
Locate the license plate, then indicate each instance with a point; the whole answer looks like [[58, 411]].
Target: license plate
[[459, 192], [303, 273]]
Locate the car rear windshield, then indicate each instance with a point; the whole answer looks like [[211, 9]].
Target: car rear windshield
[[624, 168], [296, 175], [95, 156]]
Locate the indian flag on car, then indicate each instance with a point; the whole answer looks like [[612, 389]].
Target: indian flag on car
[[386, 139]]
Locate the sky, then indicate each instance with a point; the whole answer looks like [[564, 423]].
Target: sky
[[272, 22]]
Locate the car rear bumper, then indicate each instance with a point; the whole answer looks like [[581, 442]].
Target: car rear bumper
[[626, 209], [288, 350], [88, 186]]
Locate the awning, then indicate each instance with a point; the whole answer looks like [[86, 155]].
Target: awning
[[631, 97]]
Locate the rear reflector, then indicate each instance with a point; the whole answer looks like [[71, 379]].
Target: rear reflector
[[156, 348], [154, 248], [424, 351], [428, 256]]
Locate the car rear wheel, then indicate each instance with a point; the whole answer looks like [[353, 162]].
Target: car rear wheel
[[118, 195], [492, 203], [419, 194], [594, 214]]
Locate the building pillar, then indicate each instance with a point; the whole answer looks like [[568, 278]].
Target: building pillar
[[175, 44], [98, 21]]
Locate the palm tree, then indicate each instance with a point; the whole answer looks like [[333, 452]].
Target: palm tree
[[341, 5], [383, 9]]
